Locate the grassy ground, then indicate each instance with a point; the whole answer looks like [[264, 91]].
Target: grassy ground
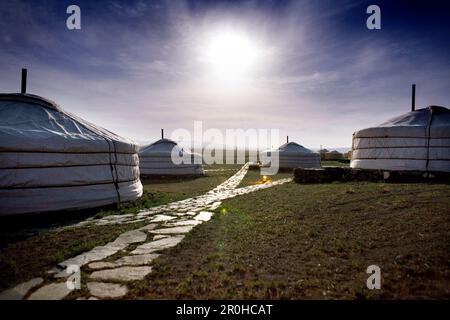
[[31, 257], [291, 241], [254, 177], [31, 245], [314, 241]]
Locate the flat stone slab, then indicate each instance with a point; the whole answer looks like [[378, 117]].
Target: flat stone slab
[[148, 227], [122, 273], [19, 291], [98, 253], [102, 265], [134, 260], [179, 214], [161, 218], [183, 223], [203, 216], [174, 230], [157, 245], [134, 221], [133, 236], [53, 291], [102, 252], [118, 216], [215, 205], [160, 236], [107, 290], [148, 212]]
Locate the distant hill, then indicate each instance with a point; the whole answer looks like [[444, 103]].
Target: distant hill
[[339, 149]]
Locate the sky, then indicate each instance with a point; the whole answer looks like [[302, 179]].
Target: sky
[[311, 69]]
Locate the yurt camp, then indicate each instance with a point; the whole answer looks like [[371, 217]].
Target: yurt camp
[[292, 155], [156, 160], [416, 141], [52, 160]]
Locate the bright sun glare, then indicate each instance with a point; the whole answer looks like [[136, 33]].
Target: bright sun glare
[[231, 55]]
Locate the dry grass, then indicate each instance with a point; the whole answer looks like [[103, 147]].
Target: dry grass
[[314, 241]]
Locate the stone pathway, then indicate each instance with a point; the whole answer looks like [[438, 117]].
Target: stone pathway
[[167, 225]]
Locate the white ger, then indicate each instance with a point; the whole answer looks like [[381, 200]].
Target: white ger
[[416, 141], [52, 160], [157, 159], [292, 155]]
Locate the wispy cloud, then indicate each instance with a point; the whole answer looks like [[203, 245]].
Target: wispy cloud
[[134, 67]]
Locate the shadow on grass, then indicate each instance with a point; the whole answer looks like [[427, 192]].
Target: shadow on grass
[[161, 179], [18, 227]]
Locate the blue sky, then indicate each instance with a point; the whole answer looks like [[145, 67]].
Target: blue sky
[[137, 66]]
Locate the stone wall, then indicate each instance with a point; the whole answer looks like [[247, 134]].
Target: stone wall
[[345, 174]]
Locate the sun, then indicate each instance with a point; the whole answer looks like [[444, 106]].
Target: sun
[[231, 55]]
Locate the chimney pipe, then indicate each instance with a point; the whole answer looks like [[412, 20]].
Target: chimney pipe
[[413, 98], [24, 81], [162, 133], [287, 139]]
